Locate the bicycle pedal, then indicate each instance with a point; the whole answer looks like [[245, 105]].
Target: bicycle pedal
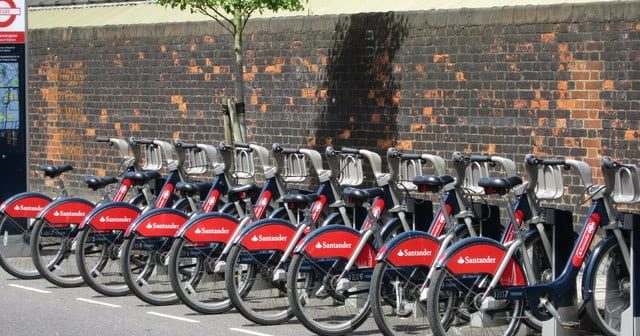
[[423, 295], [322, 293], [220, 267], [570, 325], [342, 285], [279, 275]]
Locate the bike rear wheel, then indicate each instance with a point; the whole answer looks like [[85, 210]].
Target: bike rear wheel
[[454, 307], [395, 299], [144, 262], [191, 270], [252, 289], [15, 249], [51, 250], [317, 304], [98, 261]]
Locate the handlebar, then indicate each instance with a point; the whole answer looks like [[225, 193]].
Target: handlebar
[[241, 144], [279, 149], [349, 150], [224, 147], [184, 145], [609, 163], [479, 158], [141, 142], [534, 161]]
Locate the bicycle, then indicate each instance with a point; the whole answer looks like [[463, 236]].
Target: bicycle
[[500, 289]]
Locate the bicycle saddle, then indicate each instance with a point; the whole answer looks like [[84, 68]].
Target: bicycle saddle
[[142, 177], [249, 191], [54, 171], [95, 182], [301, 200], [431, 182], [192, 188], [497, 185], [362, 195]]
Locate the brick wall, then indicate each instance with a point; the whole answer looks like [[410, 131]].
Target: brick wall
[[558, 80]]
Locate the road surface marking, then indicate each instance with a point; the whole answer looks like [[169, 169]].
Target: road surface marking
[[99, 303], [248, 332], [173, 317], [30, 289]]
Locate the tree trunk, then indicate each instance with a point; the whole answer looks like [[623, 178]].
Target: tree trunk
[[239, 128]]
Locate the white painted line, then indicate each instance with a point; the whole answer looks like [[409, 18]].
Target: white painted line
[[173, 317], [99, 303], [248, 332], [30, 289]]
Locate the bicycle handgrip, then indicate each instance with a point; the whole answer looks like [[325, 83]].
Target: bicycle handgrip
[[224, 147], [184, 145], [609, 163], [102, 139], [142, 142], [480, 158], [410, 156], [241, 144], [349, 150], [283, 150], [552, 162], [65, 168]]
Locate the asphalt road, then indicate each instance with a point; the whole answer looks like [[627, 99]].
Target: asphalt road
[[36, 307]]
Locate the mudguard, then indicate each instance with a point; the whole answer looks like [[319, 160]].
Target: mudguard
[[162, 222], [278, 213], [112, 216], [600, 248], [333, 218], [267, 234], [228, 208], [414, 248], [66, 211], [181, 203], [138, 199], [213, 227], [337, 241], [480, 255], [389, 227], [25, 205]]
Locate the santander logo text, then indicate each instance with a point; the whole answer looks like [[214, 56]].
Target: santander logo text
[[69, 213], [409, 253], [152, 226], [215, 231], [107, 219], [28, 208], [261, 238], [325, 245], [476, 260]]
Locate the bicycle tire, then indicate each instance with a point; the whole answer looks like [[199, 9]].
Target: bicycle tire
[[202, 290], [264, 302], [609, 266], [51, 249], [388, 283], [306, 302], [102, 274], [15, 249], [147, 255]]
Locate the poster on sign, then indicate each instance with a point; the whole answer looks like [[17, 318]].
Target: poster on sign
[[13, 97], [13, 15]]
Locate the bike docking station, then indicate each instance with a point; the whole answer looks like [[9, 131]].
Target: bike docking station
[[547, 183], [626, 182]]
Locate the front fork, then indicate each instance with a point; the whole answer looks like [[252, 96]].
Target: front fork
[[220, 263]]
